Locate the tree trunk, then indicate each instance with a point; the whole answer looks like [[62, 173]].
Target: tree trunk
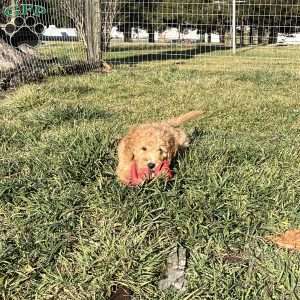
[[127, 33], [209, 37], [273, 34], [242, 34], [105, 41], [222, 34], [151, 35], [251, 40], [17, 65], [92, 30], [260, 33], [24, 65], [10, 58]]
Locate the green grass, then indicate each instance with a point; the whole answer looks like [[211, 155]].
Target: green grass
[[69, 230], [63, 50]]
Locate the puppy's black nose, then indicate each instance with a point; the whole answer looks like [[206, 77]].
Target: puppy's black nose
[[151, 165]]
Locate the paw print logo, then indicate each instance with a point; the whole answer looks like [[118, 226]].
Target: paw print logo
[[24, 30]]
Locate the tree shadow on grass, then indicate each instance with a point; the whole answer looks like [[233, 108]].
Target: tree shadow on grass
[[167, 55], [139, 47]]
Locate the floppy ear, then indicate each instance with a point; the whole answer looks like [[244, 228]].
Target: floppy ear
[[125, 151], [125, 156]]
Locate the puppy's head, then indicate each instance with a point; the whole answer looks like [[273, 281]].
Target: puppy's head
[[151, 146]]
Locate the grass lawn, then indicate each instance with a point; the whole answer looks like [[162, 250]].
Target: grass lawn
[[69, 230]]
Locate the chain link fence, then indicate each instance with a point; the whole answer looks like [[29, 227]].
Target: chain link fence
[[173, 29], [41, 37]]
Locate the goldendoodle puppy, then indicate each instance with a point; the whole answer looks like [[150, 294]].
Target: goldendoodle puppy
[[148, 145]]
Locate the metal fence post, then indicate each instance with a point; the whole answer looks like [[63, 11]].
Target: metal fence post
[[234, 26]]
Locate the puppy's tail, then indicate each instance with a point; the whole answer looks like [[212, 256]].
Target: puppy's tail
[[184, 118]]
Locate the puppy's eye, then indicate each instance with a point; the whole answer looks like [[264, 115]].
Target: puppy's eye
[[144, 148], [161, 150]]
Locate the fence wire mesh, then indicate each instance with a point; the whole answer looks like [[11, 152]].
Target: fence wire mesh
[[75, 35], [174, 29]]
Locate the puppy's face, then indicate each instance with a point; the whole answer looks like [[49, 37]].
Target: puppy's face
[[151, 148]]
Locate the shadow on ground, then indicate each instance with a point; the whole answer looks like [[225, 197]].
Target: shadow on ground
[[125, 47], [167, 55]]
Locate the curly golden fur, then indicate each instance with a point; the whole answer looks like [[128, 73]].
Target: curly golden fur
[[150, 144]]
